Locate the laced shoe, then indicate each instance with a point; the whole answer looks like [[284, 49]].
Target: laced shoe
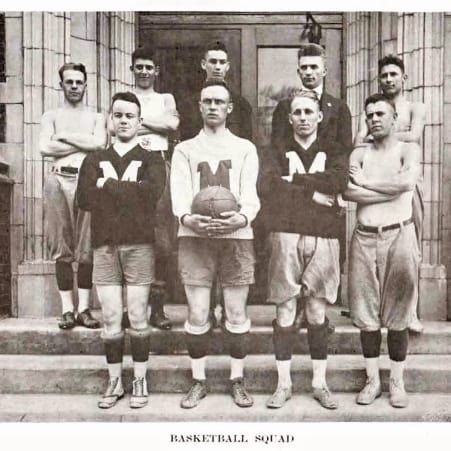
[[370, 392], [140, 395], [113, 394], [86, 319], [196, 393], [159, 319], [67, 321], [279, 398], [398, 395], [325, 398], [240, 395]]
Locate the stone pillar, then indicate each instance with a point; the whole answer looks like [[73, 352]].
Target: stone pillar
[[11, 150], [101, 41]]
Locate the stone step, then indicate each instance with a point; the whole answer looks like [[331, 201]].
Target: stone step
[[72, 374], [218, 407], [42, 336]]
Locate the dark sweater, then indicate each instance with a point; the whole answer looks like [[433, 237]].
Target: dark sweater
[[122, 212], [288, 206]]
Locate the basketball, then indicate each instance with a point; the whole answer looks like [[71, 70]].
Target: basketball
[[214, 200]]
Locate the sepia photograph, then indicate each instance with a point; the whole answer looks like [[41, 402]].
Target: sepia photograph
[[225, 216]]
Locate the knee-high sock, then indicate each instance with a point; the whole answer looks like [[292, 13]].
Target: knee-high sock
[[397, 341], [283, 340], [114, 347], [140, 344], [198, 343], [318, 340]]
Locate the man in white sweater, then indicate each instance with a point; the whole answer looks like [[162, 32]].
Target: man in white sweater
[[210, 248]]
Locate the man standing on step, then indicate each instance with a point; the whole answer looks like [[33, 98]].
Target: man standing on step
[[215, 63], [384, 254], [410, 120], [334, 128], [159, 120], [120, 186], [211, 249], [298, 187], [68, 134]]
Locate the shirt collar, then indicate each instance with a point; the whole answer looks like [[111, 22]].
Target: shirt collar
[[318, 90]]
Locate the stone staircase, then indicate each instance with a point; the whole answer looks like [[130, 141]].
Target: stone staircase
[[51, 375]]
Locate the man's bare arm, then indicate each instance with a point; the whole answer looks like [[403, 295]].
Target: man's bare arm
[[405, 180], [48, 145], [417, 125], [87, 142], [163, 123], [364, 196]]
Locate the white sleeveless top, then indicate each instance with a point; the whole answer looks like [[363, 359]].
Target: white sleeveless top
[[153, 102]]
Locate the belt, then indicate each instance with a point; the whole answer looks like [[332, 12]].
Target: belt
[[65, 170], [373, 229]]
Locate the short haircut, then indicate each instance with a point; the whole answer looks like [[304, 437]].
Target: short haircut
[[308, 95], [391, 59], [374, 98], [126, 96], [72, 66], [311, 50], [215, 45], [214, 82], [143, 53]]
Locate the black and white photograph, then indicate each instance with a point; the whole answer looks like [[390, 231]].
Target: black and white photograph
[[222, 216]]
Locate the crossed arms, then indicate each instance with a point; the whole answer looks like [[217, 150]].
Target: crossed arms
[[59, 145]]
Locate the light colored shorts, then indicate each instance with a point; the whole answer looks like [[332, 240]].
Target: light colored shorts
[[203, 260], [383, 278], [302, 265], [131, 264]]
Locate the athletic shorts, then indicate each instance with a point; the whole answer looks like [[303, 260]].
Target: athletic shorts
[[130, 264], [383, 278], [303, 265], [203, 260]]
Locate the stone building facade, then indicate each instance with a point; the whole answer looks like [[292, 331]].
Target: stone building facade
[[37, 43]]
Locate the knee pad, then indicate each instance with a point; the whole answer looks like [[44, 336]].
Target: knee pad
[[198, 340], [64, 275], [140, 344], [371, 343], [283, 339], [237, 338], [397, 341], [318, 339], [84, 276], [114, 347]]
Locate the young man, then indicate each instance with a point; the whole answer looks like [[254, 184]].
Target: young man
[[120, 186], [299, 187], [216, 248], [159, 120], [384, 254], [215, 64], [410, 120], [68, 134], [335, 127]]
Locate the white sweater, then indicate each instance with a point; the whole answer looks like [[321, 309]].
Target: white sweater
[[189, 161]]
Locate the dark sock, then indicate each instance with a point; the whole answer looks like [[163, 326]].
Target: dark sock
[[238, 344], [84, 275], [114, 348], [283, 340], [371, 343], [318, 340], [64, 276], [140, 344], [198, 345], [397, 341]]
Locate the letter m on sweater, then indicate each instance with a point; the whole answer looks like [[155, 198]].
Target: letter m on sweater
[[221, 177], [129, 175]]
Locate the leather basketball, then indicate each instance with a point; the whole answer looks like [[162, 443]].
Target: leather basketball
[[214, 200]]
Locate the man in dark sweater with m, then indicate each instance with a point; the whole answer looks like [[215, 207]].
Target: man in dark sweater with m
[[298, 188], [120, 186]]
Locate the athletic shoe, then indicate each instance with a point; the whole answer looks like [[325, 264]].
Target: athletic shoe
[[67, 321], [140, 395], [159, 319], [240, 395], [370, 392], [113, 394], [398, 395], [85, 319], [279, 398], [196, 393], [325, 398]]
